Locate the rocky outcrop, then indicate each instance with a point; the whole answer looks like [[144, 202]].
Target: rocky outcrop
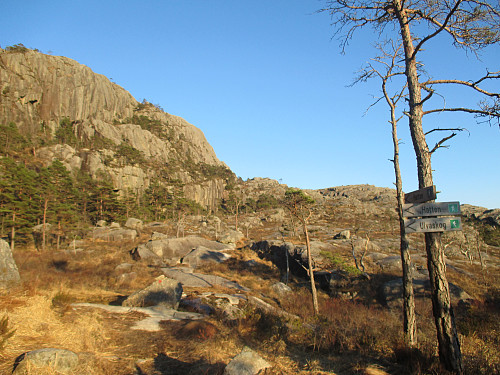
[[37, 91], [172, 250], [491, 217]]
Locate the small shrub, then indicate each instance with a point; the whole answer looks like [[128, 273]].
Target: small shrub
[[130, 154], [340, 263], [17, 48], [65, 132], [5, 332], [62, 300]]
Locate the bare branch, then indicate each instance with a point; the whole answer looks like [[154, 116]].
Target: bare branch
[[440, 143], [481, 113], [443, 130], [473, 85], [439, 30]]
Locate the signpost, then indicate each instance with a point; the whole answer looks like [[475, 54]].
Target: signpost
[[435, 224], [422, 195], [422, 216], [431, 209]]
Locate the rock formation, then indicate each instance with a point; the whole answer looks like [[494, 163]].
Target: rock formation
[[38, 91]]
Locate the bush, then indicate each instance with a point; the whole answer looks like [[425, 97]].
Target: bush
[[130, 154], [17, 48], [5, 332], [65, 132]]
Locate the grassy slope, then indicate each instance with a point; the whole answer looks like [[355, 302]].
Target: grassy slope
[[350, 336]]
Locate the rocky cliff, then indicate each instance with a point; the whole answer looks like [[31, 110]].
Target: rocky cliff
[[130, 143]]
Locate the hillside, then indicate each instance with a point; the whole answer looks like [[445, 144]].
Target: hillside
[[134, 250], [67, 112]]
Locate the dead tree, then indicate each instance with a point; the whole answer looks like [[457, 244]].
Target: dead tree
[[299, 205], [471, 25], [387, 69]]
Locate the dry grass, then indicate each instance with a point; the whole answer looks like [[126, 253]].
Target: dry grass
[[347, 338]]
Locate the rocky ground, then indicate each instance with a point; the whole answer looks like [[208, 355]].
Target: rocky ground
[[136, 299]]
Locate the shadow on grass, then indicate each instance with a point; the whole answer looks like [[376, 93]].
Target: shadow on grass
[[170, 366]]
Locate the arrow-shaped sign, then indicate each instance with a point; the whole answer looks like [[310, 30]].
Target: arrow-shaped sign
[[431, 209], [422, 195], [438, 224]]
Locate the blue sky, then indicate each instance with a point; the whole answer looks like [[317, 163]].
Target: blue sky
[[267, 85]]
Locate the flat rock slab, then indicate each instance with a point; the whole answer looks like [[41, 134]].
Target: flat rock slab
[[199, 280], [156, 314]]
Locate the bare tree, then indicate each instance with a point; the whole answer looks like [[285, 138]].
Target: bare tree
[[471, 25], [299, 205], [387, 68]]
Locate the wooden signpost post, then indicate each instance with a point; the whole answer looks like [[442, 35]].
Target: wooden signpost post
[[421, 217]]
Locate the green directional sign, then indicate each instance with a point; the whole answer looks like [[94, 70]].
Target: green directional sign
[[431, 209], [433, 224]]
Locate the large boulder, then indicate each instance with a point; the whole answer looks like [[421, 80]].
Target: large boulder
[[9, 274], [278, 251], [392, 291], [133, 223], [60, 361], [343, 235], [231, 237], [297, 263], [163, 292], [173, 249], [114, 234], [201, 255], [248, 362]]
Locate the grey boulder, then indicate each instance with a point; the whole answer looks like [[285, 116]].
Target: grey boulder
[[163, 292], [247, 362], [62, 361], [9, 274]]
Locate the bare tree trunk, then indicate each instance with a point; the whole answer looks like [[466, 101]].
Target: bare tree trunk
[[13, 232], [449, 346], [311, 273], [44, 234], [236, 216], [409, 320]]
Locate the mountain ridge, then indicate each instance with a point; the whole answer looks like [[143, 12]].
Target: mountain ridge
[[40, 91]]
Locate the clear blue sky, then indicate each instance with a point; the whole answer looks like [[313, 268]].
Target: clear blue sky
[[266, 84]]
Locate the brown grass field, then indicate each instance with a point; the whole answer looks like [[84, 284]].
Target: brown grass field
[[349, 337]]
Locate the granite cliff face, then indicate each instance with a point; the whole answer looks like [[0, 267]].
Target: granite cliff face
[[38, 91]]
